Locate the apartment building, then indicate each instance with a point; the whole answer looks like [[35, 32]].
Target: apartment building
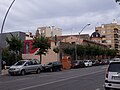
[[110, 34], [49, 31]]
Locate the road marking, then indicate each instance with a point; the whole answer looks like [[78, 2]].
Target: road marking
[[34, 86]]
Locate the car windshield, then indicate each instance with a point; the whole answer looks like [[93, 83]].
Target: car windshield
[[49, 63], [114, 67], [85, 61], [19, 63]]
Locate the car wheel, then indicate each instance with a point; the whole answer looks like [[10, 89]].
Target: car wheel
[[51, 70], [38, 71], [23, 72], [60, 69], [106, 88]]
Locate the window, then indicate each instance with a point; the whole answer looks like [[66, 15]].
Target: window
[[27, 48], [103, 41], [115, 30], [114, 67], [108, 41], [19, 63], [103, 32], [109, 31], [108, 36]]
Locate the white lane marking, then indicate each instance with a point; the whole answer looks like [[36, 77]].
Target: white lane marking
[[34, 86]]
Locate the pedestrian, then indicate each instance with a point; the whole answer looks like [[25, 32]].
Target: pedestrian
[[3, 64]]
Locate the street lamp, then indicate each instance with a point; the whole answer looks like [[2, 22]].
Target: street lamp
[[82, 30], [79, 40], [2, 32]]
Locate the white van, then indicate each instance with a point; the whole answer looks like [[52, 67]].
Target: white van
[[112, 78]]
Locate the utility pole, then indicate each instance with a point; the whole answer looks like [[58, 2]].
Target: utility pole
[[2, 32]]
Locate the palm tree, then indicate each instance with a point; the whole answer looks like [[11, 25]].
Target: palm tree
[[43, 44], [15, 44]]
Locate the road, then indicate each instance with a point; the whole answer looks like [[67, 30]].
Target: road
[[91, 78]]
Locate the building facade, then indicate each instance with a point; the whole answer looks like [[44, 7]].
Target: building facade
[[30, 53], [49, 31], [3, 37], [110, 34]]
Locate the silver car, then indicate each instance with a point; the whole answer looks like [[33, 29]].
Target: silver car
[[25, 66], [112, 77]]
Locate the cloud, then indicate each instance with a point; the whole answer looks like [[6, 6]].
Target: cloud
[[70, 15]]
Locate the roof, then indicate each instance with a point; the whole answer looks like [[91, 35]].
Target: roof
[[95, 34]]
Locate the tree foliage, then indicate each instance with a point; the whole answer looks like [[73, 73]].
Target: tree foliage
[[118, 1], [15, 45], [43, 44], [90, 52], [56, 50]]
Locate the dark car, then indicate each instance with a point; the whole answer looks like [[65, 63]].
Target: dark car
[[95, 63], [53, 66], [78, 64]]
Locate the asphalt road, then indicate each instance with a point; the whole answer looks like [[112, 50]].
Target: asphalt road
[[91, 78]]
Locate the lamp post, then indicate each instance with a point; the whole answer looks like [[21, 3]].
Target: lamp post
[[82, 30], [79, 40], [2, 27]]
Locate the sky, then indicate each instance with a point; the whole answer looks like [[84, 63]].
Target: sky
[[69, 15]]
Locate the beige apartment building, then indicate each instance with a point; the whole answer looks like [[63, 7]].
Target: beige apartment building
[[49, 31], [110, 34]]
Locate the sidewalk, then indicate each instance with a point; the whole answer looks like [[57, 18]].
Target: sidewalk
[[4, 72]]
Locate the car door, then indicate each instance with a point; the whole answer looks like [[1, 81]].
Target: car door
[[28, 66], [35, 65]]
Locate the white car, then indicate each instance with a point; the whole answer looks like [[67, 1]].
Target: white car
[[87, 63], [114, 59], [112, 78]]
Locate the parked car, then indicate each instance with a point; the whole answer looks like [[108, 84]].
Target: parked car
[[25, 66], [112, 77], [95, 63], [53, 66], [78, 64], [87, 63], [106, 61], [114, 59]]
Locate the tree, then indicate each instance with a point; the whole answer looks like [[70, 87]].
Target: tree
[[81, 51], [117, 1], [15, 45], [43, 44], [56, 50]]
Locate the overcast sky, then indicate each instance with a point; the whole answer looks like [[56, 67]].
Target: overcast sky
[[69, 15]]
